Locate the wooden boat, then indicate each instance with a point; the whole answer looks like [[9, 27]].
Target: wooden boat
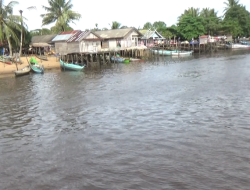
[[42, 57], [35, 67], [182, 53], [119, 59], [71, 66], [6, 60], [23, 71]]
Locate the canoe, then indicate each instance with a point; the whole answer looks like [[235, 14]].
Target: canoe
[[35, 67], [173, 52], [71, 66], [120, 59], [6, 60], [23, 71], [164, 52]]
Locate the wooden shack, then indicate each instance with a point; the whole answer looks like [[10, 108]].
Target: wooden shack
[[151, 37], [84, 42], [42, 41], [118, 39], [61, 44]]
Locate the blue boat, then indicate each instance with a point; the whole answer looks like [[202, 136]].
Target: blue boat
[[35, 67], [71, 66]]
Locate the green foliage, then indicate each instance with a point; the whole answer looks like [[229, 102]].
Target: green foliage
[[237, 20], [147, 26], [115, 25], [9, 23], [60, 13], [43, 31], [191, 27], [211, 21]]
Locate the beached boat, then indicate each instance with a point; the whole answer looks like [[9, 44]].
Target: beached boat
[[6, 60], [23, 71], [35, 67], [119, 59], [71, 66]]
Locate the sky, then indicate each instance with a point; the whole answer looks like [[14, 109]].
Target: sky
[[131, 13]]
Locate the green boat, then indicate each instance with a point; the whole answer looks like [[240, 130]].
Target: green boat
[[35, 67]]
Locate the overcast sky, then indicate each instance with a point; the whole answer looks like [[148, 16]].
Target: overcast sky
[[129, 12]]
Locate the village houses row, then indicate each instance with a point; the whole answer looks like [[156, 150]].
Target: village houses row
[[78, 41]]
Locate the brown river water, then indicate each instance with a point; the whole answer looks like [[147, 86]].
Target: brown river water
[[180, 124]]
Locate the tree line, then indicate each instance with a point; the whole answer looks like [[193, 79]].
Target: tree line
[[192, 23]]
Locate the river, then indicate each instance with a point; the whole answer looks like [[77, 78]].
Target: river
[[164, 124]]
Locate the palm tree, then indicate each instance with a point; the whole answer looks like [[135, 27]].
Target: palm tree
[[21, 39], [230, 4], [59, 11], [194, 12], [9, 23], [115, 25]]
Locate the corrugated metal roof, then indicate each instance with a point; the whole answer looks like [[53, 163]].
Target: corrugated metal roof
[[115, 33], [64, 36], [150, 34], [43, 38], [77, 36]]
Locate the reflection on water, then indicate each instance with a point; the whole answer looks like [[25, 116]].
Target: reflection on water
[[161, 124]]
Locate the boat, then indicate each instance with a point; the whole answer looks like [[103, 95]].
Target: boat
[[182, 53], [119, 59], [23, 71], [241, 45], [71, 66], [134, 60], [5, 60], [35, 67], [173, 52]]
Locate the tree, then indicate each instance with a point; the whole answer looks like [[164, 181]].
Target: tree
[[43, 31], [191, 27], [147, 26], [9, 23], [115, 25], [193, 12], [212, 21], [230, 4], [60, 13], [21, 38]]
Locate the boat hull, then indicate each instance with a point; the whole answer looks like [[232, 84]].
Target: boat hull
[[120, 59], [23, 71], [70, 67], [35, 67]]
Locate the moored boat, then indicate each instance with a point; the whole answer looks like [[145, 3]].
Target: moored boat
[[182, 53], [23, 71], [119, 59], [35, 67], [71, 66]]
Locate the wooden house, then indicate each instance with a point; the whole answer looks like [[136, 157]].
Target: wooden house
[[151, 37], [61, 44], [118, 39], [43, 40], [84, 42]]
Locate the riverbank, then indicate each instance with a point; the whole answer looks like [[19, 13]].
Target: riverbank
[[6, 69]]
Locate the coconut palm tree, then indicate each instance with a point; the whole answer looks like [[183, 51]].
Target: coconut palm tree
[[21, 38], [9, 23], [59, 12], [230, 4]]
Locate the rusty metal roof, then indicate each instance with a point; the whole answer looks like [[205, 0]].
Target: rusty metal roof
[[77, 36], [64, 36]]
